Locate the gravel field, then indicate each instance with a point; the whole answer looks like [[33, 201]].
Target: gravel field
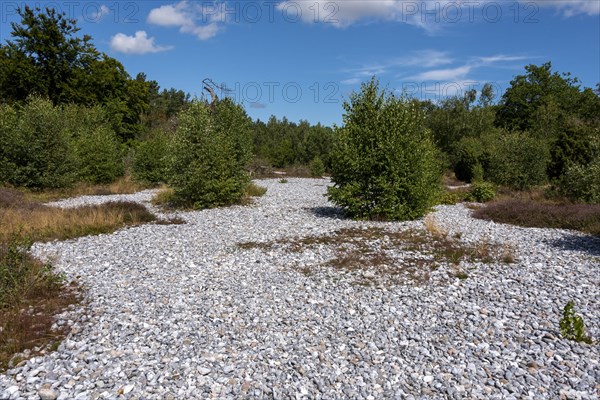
[[185, 312]]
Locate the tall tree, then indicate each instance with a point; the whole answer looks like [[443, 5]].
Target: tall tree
[[44, 55]]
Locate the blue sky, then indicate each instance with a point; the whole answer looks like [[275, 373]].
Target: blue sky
[[300, 59]]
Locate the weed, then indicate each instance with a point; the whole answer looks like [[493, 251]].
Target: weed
[[283, 180], [572, 326]]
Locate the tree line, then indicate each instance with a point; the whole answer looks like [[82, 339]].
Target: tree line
[[70, 113]]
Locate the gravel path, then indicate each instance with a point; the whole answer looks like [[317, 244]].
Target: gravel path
[[182, 311]]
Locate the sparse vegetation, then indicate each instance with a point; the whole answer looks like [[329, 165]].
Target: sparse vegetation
[[572, 326], [30, 294], [407, 256]]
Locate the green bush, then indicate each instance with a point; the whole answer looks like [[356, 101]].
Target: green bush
[[207, 157], [581, 183], [481, 192], [384, 163], [469, 153], [516, 160], [149, 162], [98, 151], [574, 145], [317, 168], [37, 151]]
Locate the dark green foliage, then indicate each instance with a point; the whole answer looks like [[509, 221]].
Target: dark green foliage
[[572, 326], [538, 101], [37, 152], [317, 168], [481, 192], [149, 160], [516, 160], [469, 156], [461, 117], [283, 143], [207, 157], [573, 146], [97, 150], [581, 182], [46, 146], [384, 163], [46, 58]]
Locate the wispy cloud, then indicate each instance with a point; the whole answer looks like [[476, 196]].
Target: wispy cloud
[[189, 17], [431, 15], [140, 43], [422, 58], [570, 8], [448, 74], [351, 81]]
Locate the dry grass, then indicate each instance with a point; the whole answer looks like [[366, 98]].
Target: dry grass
[[42, 223], [121, 186], [400, 256], [530, 213]]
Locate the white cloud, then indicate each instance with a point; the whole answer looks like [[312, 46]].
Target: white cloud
[[95, 13], [140, 43], [431, 15], [187, 16], [351, 81], [448, 74], [573, 7], [170, 15], [499, 58]]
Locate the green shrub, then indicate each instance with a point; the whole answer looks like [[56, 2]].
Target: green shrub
[[581, 183], [317, 168], [450, 197], [207, 157], [37, 151], [384, 163], [481, 192], [149, 162], [575, 145], [469, 153], [516, 160], [98, 152]]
